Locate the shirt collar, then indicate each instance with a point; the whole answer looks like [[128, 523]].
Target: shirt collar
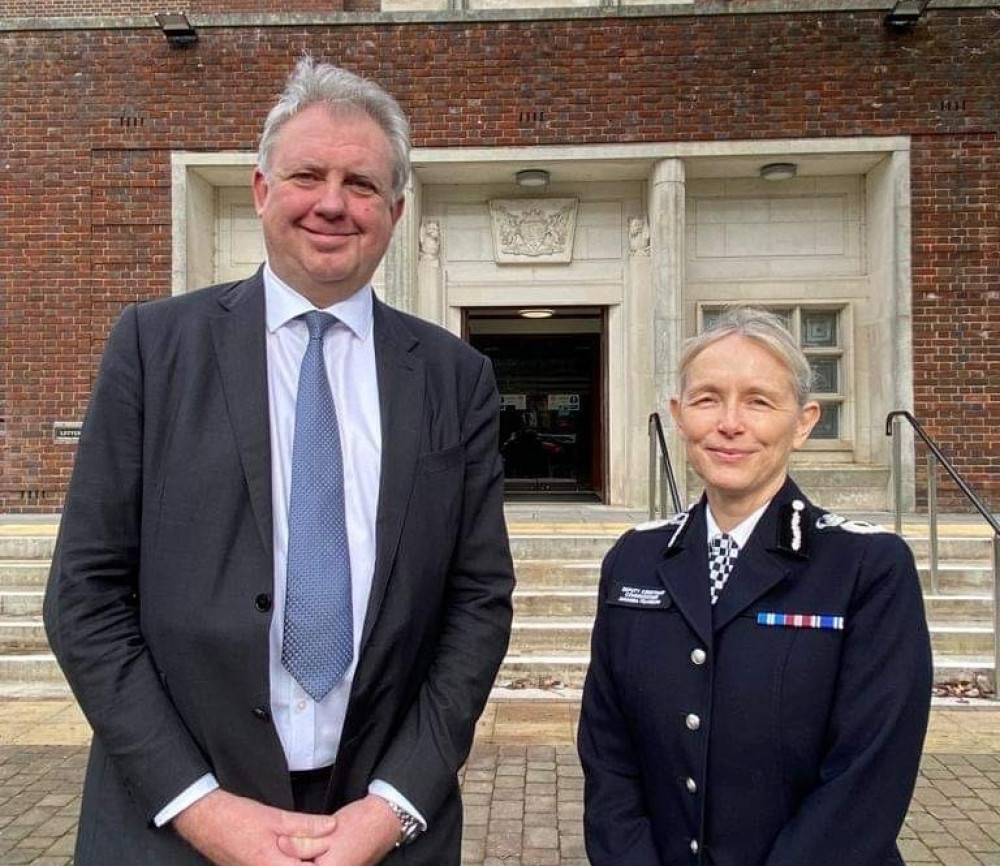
[[741, 532], [282, 304]]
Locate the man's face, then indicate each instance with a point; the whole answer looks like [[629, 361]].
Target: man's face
[[326, 204], [740, 421]]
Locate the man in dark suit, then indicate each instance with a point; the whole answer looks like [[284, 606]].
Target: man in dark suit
[[172, 585]]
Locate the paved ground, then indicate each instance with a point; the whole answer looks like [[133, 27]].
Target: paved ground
[[523, 787]]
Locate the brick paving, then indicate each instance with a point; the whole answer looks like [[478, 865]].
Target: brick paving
[[522, 787]]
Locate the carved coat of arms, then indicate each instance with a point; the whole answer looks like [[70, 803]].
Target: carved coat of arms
[[533, 230]]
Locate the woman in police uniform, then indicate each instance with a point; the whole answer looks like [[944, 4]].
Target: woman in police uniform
[[768, 707]]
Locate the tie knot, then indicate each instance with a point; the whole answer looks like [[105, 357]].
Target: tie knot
[[317, 322], [723, 544]]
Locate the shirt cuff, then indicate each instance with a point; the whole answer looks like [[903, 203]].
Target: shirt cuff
[[387, 792], [188, 797]]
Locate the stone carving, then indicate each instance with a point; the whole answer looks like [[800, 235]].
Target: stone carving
[[430, 239], [533, 230], [638, 236]]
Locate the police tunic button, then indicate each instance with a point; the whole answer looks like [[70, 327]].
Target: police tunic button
[[693, 722], [691, 785], [698, 656], [694, 846]]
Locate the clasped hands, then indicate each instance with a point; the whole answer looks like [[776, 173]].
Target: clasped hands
[[236, 831]]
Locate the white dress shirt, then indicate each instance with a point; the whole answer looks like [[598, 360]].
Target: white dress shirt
[[310, 731], [741, 532]]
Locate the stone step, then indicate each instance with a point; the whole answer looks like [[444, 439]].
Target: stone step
[[971, 609], [555, 574], [23, 572], [972, 548], [35, 546], [961, 640], [555, 603], [534, 635], [21, 601], [22, 635], [957, 576], [31, 668], [561, 546], [543, 671]]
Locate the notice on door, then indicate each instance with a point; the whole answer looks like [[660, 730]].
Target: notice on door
[[514, 401], [564, 402]]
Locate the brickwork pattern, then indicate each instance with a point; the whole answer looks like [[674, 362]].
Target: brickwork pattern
[[90, 119], [32, 9], [523, 805]]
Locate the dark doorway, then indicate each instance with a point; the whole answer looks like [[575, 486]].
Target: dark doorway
[[549, 372]]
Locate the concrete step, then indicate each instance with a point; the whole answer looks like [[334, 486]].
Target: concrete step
[[561, 546], [555, 603], [27, 546], [555, 574], [31, 668], [23, 572], [22, 635], [971, 548], [543, 671], [968, 667], [961, 640], [957, 576], [21, 601], [971, 609], [534, 635]]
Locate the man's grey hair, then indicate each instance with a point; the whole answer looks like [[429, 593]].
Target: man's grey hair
[[312, 83], [762, 327]]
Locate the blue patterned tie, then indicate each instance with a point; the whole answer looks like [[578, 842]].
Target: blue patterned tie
[[318, 642]]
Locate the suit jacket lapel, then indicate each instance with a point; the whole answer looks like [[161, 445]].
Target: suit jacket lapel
[[684, 573], [241, 352], [761, 565], [401, 385]]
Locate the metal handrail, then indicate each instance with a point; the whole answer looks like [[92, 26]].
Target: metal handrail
[[945, 462], [891, 425], [661, 469]]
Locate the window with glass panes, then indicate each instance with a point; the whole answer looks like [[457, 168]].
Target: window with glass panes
[[819, 331]]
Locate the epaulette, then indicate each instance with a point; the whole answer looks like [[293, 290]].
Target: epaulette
[[678, 523], [838, 521]]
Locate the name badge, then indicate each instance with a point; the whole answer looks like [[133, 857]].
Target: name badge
[[801, 620], [642, 596]]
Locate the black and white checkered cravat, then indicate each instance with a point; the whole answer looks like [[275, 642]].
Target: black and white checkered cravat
[[722, 553]]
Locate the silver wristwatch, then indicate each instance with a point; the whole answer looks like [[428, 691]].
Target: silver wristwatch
[[409, 827]]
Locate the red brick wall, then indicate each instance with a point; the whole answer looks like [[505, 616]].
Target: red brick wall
[[131, 8], [90, 119]]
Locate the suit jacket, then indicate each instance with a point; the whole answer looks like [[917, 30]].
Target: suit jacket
[[159, 600], [709, 736]]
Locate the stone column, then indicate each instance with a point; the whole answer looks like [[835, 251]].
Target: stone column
[[667, 239], [395, 279]]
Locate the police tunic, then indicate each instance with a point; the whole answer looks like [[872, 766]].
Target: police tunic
[[782, 726]]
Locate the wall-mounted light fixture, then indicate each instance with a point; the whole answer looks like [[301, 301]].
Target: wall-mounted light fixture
[[536, 313], [534, 177], [905, 13], [176, 27], [779, 171]]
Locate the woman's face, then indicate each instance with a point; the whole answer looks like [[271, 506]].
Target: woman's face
[[740, 420]]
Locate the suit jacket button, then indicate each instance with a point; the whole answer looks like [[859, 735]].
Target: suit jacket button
[[694, 846], [691, 785], [698, 656], [263, 602], [693, 722], [262, 714]]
